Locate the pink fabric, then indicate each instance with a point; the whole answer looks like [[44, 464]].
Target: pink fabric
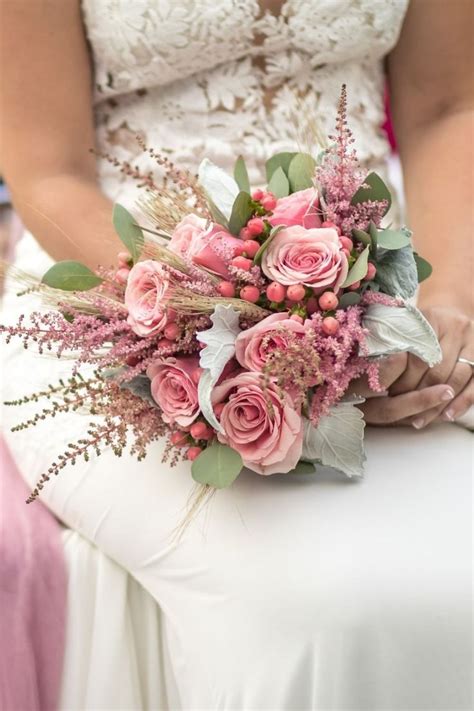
[[33, 587]]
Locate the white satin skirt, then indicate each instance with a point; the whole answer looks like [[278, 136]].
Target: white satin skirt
[[285, 592]]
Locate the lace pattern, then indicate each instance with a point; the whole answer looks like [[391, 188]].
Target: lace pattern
[[223, 77]]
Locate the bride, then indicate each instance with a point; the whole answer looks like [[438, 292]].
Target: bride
[[284, 593]]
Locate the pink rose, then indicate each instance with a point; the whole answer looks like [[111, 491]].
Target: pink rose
[[187, 233], [174, 390], [250, 350], [310, 257], [269, 443], [145, 297], [300, 208]]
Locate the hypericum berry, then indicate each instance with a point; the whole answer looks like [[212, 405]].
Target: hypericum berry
[[312, 305], [245, 233], [257, 194], [354, 286], [330, 326], [121, 275], [178, 439], [255, 226], [269, 201], [193, 453], [328, 301], [297, 317], [371, 271], [331, 225], [346, 243], [165, 343], [251, 247], [172, 331], [242, 263], [218, 408], [276, 292], [296, 292], [196, 375], [226, 289], [198, 430], [250, 293]]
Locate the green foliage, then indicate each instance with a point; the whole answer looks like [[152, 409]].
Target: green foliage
[[279, 160], [241, 175], [217, 466], [266, 244], [71, 276], [128, 231], [242, 211], [375, 190], [350, 298], [423, 268], [301, 172], [396, 273], [359, 269], [393, 239], [279, 184]]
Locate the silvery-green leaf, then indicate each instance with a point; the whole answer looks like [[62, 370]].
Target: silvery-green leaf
[[140, 385], [373, 188], [423, 268], [128, 231], [394, 239], [338, 440], [71, 276], [279, 160], [301, 172], [217, 466], [220, 348], [242, 211], [241, 175], [397, 274], [358, 269], [279, 184], [218, 186], [400, 329]]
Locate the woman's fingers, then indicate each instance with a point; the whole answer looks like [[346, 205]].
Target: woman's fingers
[[461, 404], [390, 370], [390, 409], [458, 380]]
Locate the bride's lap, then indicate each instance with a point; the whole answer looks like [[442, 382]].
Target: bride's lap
[[281, 586]]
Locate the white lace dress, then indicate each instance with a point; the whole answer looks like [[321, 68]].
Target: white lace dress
[[285, 592]]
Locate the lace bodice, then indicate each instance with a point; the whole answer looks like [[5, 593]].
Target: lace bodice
[[227, 77]]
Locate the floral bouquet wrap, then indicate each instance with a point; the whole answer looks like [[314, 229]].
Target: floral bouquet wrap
[[237, 319]]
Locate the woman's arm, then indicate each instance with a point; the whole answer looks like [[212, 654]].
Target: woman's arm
[[432, 95], [47, 131]]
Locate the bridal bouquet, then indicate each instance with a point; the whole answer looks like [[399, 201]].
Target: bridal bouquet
[[236, 319]]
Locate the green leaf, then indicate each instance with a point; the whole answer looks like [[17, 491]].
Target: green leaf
[[242, 211], [241, 175], [279, 160], [303, 468], [258, 257], [423, 268], [375, 190], [359, 269], [128, 231], [301, 172], [396, 273], [393, 239], [217, 215], [71, 276], [374, 238], [350, 298], [279, 184], [361, 236], [217, 466]]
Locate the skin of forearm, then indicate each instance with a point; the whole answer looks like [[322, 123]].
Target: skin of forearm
[[70, 217], [437, 159]]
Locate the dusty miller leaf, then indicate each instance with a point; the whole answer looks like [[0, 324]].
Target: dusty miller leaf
[[218, 186], [397, 274]]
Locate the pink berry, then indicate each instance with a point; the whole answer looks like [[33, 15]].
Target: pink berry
[[255, 226], [257, 194], [330, 326], [165, 343], [198, 429], [196, 375], [245, 233], [276, 292], [297, 317], [251, 247], [354, 286], [371, 271], [250, 293], [172, 331], [312, 305], [331, 225], [193, 453], [296, 292], [242, 263], [121, 275], [346, 243], [218, 408], [328, 301], [269, 202], [178, 439], [226, 289], [171, 314]]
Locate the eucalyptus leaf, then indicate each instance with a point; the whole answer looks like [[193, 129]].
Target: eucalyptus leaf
[[423, 268], [338, 440], [258, 257], [279, 160], [359, 269], [242, 211], [375, 190], [71, 276], [217, 215], [393, 239], [362, 236], [128, 231], [279, 184], [303, 468], [241, 175], [217, 466], [350, 298], [301, 172], [374, 238], [400, 329], [219, 187], [397, 274]]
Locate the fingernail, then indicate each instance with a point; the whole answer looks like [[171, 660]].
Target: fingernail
[[449, 415], [418, 423], [448, 394]]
